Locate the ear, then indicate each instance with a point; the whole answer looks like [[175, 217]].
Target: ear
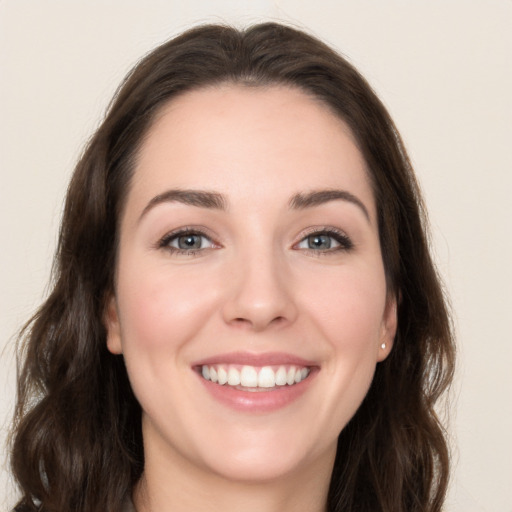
[[111, 322], [388, 329]]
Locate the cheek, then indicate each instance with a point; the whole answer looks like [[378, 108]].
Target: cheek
[[350, 310], [161, 310], [162, 314], [350, 317]]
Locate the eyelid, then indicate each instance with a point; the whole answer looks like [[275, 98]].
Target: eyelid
[[344, 242], [163, 242]]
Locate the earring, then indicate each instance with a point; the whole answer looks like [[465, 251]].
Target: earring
[[383, 346]]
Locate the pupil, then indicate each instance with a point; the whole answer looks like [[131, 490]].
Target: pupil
[[189, 242], [319, 242]]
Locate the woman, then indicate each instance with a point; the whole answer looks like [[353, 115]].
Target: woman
[[244, 312]]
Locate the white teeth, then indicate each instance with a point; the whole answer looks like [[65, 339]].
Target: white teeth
[[222, 375], [233, 377], [290, 376], [281, 376], [249, 377], [266, 378], [253, 377]]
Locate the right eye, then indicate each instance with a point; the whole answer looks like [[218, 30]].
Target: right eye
[[186, 242]]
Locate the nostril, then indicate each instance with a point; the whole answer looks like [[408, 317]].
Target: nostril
[[242, 322], [255, 324]]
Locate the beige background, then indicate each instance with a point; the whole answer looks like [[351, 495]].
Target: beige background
[[443, 68]]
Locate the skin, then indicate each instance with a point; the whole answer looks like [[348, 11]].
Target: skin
[[255, 286]]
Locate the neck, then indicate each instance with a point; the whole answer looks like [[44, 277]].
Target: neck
[[235, 496]]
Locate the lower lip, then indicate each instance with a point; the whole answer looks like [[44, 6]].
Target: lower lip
[[258, 401]]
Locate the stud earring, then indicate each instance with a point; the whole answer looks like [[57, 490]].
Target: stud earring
[[383, 346]]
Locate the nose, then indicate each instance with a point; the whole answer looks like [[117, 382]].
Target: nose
[[260, 294]]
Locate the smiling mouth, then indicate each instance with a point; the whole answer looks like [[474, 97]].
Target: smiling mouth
[[254, 378]]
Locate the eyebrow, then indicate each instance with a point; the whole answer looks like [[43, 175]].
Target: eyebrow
[[317, 197], [216, 201], [199, 198]]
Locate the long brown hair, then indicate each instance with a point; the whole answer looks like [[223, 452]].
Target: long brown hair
[[77, 442]]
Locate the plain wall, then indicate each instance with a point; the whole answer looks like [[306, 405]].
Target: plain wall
[[444, 70]]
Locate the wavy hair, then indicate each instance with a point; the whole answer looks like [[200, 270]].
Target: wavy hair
[[76, 437]]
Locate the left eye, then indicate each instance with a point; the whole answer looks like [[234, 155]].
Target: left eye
[[325, 242], [319, 242]]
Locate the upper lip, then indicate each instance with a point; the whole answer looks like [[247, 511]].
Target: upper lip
[[251, 359]]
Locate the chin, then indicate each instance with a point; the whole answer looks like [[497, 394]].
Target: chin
[[265, 456], [259, 467]]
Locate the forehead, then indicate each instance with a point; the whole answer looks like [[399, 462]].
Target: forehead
[[248, 140]]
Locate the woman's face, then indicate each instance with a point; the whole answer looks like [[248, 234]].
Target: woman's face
[[250, 303]]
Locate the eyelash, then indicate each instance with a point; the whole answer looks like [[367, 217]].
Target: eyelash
[[344, 242], [165, 242], [341, 238]]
